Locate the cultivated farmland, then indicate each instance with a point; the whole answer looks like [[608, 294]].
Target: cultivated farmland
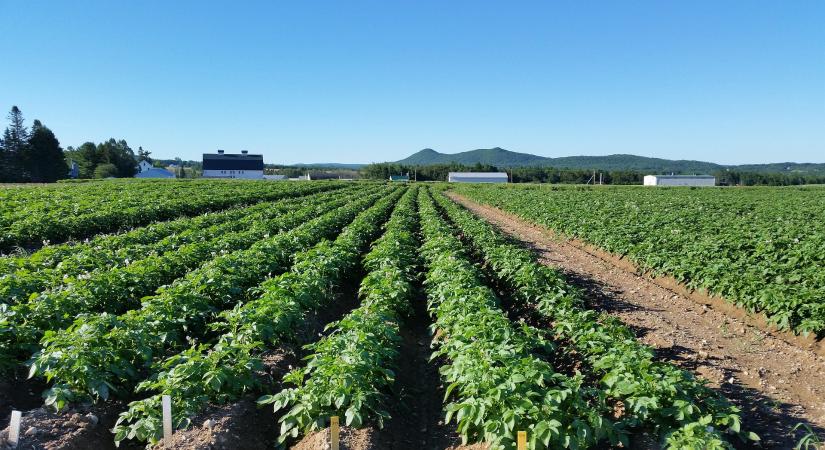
[[264, 309], [761, 248]]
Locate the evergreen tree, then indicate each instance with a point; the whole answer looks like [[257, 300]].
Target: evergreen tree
[[43, 159], [14, 142], [143, 155], [16, 136]]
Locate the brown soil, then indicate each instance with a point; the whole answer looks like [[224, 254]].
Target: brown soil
[[19, 393], [84, 427], [242, 426], [348, 439], [774, 380]]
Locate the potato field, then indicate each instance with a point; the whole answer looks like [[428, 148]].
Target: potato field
[[760, 248], [263, 309]]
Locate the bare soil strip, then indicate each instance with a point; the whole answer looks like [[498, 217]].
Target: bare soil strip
[[776, 384], [80, 428], [417, 415]]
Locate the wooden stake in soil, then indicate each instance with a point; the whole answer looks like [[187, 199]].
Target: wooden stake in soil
[[521, 440], [334, 431], [167, 417], [14, 429]]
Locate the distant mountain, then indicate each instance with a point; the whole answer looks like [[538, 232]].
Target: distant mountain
[[505, 158], [494, 156]]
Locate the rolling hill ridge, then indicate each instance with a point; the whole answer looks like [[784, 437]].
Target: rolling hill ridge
[[505, 158]]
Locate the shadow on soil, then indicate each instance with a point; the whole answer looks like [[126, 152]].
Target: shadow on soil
[[416, 407], [772, 420]]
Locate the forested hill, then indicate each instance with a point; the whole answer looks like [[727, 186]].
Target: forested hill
[[502, 158], [493, 156]]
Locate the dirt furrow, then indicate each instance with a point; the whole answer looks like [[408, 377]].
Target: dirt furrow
[[417, 418], [777, 384]]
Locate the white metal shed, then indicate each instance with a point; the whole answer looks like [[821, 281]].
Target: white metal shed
[[477, 177], [679, 180]]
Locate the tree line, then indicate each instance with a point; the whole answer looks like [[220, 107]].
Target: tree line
[[745, 178], [438, 172], [35, 155]]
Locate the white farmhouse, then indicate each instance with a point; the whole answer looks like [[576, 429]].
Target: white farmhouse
[[144, 166], [679, 180], [233, 165], [477, 177], [147, 170]]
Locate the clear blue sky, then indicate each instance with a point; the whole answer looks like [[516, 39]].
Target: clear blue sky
[[362, 81]]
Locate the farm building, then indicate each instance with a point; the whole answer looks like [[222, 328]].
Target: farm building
[[146, 170], [233, 165], [477, 177], [399, 178], [679, 180]]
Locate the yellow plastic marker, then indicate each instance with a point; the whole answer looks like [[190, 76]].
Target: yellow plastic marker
[[333, 432], [522, 440]]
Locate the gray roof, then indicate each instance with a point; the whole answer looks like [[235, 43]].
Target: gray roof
[[155, 173], [683, 176], [478, 174]]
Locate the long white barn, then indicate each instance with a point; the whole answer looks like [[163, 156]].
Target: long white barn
[[679, 180], [477, 177], [233, 165]]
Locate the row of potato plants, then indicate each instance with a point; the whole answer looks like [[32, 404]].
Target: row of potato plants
[[117, 248], [64, 264], [14, 202], [760, 248], [105, 353], [678, 408], [99, 208], [498, 377], [120, 289], [350, 371], [79, 199], [226, 369]]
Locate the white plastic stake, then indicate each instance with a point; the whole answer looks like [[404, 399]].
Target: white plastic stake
[[167, 417], [334, 431], [14, 429]]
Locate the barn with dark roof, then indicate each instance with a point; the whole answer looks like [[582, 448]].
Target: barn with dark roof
[[233, 165]]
